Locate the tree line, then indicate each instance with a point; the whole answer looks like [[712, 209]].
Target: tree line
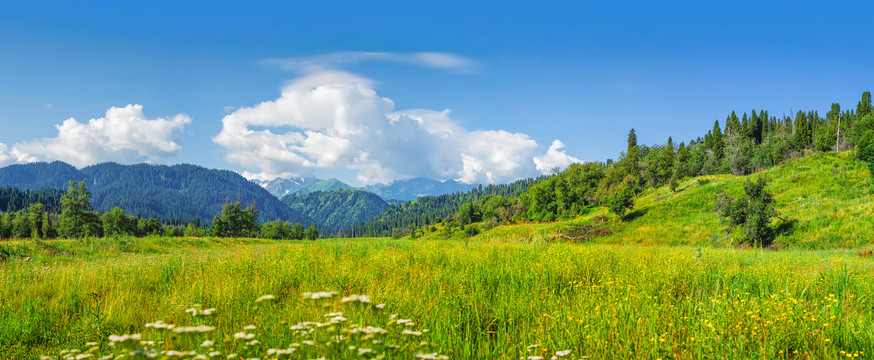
[[745, 144], [72, 216]]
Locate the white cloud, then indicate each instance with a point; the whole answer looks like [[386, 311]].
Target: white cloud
[[336, 120], [124, 135], [334, 61], [48, 105], [6, 157], [555, 157]]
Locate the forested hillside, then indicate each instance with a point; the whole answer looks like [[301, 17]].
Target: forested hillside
[[431, 209], [337, 209], [754, 141], [13, 199], [55, 175], [410, 189], [182, 192]]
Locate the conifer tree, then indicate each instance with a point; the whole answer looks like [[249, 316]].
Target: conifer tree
[[632, 140], [76, 204], [718, 142], [802, 134], [864, 107]]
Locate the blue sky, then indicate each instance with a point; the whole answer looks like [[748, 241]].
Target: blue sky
[[526, 74]]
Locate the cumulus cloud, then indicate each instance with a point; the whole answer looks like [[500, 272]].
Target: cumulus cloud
[[334, 61], [124, 135], [555, 157], [336, 120]]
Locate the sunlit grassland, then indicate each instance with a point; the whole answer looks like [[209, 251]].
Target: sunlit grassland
[[825, 201], [479, 299]]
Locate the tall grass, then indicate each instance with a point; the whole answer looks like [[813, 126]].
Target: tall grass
[[478, 299]]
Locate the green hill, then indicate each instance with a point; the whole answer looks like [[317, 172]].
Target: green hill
[[824, 200], [321, 186], [337, 209], [184, 192]]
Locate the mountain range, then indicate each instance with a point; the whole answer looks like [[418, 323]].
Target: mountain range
[[402, 190], [185, 192], [188, 192]]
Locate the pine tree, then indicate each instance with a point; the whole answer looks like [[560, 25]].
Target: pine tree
[[864, 107], [718, 142], [76, 205], [802, 134], [632, 140]]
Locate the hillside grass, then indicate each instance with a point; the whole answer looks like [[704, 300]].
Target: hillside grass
[[477, 299], [824, 200]]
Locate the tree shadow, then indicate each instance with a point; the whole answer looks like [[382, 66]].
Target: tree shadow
[[635, 214], [785, 227]]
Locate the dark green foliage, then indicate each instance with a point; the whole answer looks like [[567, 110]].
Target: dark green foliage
[[13, 199], [471, 230], [632, 140], [428, 210], [312, 233], [282, 230], [150, 226], [338, 209], [36, 217], [165, 192], [803, 137], [236, 222], [867, 154], [864, 107], [620, 201], [753, 210], [77, 219], [117, 223], [34, 176], [180, 192], [566, 194]]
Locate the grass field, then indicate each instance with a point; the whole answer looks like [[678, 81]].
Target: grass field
[[477, 299], [826, 201]]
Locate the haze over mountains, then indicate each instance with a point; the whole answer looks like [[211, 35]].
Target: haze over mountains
[[184, 192], [189, 192], [403, 190]]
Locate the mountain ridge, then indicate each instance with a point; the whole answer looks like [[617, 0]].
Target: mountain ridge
[[180, 191]]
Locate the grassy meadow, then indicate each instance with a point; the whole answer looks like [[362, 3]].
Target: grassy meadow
[[478, 299], [825, 201]]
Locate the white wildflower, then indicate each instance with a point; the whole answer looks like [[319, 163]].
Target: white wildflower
[[250, 327], [125, 338], [359, 298], [410, 332], [364, 351], [207, 343], [380, 306], [562, 353], [319, 295], [265, 298], [194, 329], [433, 356], [244, 336]]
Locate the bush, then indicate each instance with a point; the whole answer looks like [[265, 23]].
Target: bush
[[754, 210]]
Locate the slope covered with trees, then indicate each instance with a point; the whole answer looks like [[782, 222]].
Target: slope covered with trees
[[181, 192], [337, 209], [752, 142], [428, 210]]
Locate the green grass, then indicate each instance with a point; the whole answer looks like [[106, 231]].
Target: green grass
[[825, 201], [668, 283], [478, 299]]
